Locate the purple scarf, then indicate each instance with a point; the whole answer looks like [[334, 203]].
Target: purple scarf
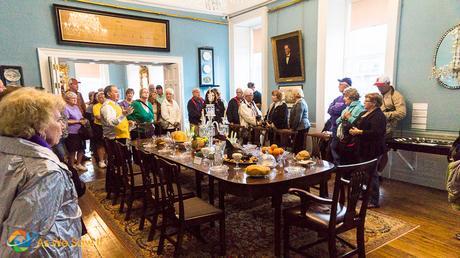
[[39, 140]]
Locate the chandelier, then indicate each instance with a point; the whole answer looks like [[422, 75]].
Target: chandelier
[[452, 69]]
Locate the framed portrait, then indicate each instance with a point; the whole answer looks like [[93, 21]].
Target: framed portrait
[[206, 66], [288, 57], [288, 93], [11, 75], [78, 26]]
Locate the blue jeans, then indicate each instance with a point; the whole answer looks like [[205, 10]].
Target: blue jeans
[[375, 185]]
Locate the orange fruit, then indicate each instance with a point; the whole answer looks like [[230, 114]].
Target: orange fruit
[[274, 146], [270, 151], [278, 151], [265, 149]]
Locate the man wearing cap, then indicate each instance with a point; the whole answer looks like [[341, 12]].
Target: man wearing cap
[[335, 110], [73, 87], [394, 109]]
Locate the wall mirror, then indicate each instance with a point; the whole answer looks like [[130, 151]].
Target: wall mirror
[[446, 61]]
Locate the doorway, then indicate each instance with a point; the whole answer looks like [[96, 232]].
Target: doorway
[[122, 70]]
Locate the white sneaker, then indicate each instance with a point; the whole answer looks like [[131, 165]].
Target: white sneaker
[[81, 167], [102, 164]]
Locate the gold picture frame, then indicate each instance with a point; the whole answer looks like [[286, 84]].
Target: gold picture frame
[[80, 26], [288, 63]]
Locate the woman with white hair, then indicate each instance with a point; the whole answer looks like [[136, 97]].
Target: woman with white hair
[[38, 195], [74, 142], [250, 115], [298, 120], [170, 112]]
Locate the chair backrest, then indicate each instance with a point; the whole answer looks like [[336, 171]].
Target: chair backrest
[[145, 162], [284, 137], [124, 158], [351, 182], [258, 133], [168, 174], [316, 140]]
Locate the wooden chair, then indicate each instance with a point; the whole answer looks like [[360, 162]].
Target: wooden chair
[[318, 139], [330, 217], [113, 178], [184, 214], [151, 204], [257, 133], [284, 138], [133, 186]]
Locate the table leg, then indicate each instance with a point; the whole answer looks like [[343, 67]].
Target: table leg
[[211, 190], [221, 196], [276, 203], [198, 178]]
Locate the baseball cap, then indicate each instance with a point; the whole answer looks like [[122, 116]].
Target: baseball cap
[[73, 79], [345, 80], [382, 80]]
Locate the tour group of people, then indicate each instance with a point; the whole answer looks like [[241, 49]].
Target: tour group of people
[[33, 123]]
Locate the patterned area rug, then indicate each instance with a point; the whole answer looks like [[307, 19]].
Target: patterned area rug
[[249, 228]]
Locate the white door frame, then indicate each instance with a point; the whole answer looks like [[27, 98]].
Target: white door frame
[[45, 53], [261, 12]]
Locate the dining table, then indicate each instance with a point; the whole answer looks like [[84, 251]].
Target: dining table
[[237, 182]]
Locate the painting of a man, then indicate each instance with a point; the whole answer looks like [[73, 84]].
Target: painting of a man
[[288, 57]]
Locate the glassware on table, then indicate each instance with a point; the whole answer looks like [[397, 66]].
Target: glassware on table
[[188, 146], [207, 151], [237, 157]]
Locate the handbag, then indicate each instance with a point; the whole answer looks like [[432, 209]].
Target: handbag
[[86, 132]]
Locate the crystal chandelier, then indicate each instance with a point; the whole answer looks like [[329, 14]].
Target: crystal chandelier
[[452, 69]]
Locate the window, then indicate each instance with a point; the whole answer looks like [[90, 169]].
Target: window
[[365, 57], [91, 77]]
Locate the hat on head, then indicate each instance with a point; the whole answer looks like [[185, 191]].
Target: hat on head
[[72, 79], [382, 80], [345, 80]]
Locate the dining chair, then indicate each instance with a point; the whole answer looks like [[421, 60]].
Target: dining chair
[[113, 178], [183, 214], [151, 199], [284, 138], [331, 217], [318, 140], [131, 178]]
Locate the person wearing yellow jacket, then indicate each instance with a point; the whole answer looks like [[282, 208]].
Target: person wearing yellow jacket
[[115, 125]]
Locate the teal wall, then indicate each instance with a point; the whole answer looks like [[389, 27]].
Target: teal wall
[[304, 17], [29, 24], [117, 76], [421, 27]]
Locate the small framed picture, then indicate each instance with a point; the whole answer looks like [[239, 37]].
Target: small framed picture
[[206, 66], [288, 93], [11, 75]]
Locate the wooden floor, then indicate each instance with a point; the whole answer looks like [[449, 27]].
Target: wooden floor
[[414, 204]]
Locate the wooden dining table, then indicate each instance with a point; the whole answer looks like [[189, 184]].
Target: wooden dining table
[[238, 183]]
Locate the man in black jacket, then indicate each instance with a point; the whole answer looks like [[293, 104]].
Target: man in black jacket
[[233, 106], [257, 95], [194, 107]]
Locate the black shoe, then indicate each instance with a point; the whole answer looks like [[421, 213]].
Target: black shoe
[[457, 236], [85, 158]]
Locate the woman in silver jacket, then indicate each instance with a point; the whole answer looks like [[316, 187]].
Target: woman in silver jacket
[[39, 213]]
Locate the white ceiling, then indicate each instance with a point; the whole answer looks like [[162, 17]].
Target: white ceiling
[[213, 7]]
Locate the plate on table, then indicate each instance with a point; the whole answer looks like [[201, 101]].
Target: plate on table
[[295, 169], [307, 162], [252, 160]]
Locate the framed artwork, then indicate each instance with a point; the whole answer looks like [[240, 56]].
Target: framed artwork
[[80, 26], [288, 57], [288, 93], [11, 75], [206, 66]]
